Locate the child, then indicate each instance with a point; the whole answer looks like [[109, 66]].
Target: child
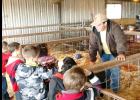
[[74, 80], [11, 66], [30, 76], [5, 56], [48, 62], [43, 50], [56, 83], [45, 60]]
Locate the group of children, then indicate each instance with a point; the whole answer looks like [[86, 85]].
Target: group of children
[[34, 75]]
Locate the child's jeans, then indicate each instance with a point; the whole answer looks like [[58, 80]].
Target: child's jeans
[[5, 95], [112, 74]]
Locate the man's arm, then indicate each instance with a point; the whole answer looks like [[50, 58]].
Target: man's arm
[[93, 47], [121, 42]]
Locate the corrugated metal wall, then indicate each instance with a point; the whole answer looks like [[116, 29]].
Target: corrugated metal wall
[[129, 9], [78, 12], [37, 16], [19, 13], [74, 11], [25, 17]]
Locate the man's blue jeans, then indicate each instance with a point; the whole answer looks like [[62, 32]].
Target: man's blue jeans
[[112, 74]]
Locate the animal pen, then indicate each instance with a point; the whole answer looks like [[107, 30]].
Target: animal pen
[[62, 26], [130, 69]]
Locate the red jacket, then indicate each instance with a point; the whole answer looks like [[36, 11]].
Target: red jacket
[[72, 96], [11, 67], [58, 75], [87, 94], [5, 57]]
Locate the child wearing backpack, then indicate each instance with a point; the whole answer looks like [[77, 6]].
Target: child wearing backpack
[[14, 60]]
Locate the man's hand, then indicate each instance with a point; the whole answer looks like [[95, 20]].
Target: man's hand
[[86, 86], [121, 57], [92, 63], [87, 72]]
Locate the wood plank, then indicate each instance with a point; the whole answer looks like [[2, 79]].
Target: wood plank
[[42, 33], [110, 64], [125, 21], [132, 33], [61, 40], [111, 94], [68, 29]]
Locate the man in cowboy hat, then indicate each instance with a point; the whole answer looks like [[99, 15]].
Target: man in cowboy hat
[[109, 40]]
